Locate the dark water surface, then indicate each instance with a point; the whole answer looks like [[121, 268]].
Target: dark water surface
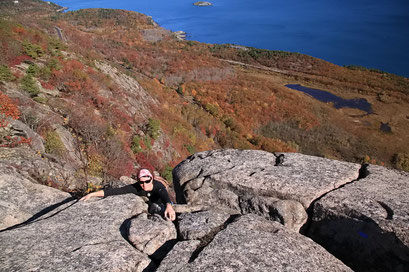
[[339, 102], [360, 32]]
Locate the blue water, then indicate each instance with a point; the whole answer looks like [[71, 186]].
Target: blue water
[[339, 102], [370, 33]]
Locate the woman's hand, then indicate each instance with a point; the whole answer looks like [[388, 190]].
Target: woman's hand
[[170, 212], [88, 196]]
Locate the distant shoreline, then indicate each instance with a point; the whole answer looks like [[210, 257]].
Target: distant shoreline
[[201, 31]]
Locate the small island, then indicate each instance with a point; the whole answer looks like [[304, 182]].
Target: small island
[[201, 4]]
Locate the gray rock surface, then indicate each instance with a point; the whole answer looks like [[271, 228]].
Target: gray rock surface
[[137, 100], [253, 243], [228, 178], [290, 213], [148, 234], [42, 169], [72, 156], [366, 223], [37, 143], [201, 224], [20, 199], [179, 256], [66, 235]]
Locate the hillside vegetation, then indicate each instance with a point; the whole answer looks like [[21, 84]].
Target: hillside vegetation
[[130, 93]]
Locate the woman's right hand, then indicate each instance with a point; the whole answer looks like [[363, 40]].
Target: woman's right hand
[[88, 196]]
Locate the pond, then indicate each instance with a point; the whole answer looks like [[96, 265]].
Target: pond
[[339, 102]]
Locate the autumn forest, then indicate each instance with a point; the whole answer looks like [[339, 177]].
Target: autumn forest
[[130, 93]]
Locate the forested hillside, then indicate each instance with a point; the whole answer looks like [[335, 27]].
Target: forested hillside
[[108, 90]]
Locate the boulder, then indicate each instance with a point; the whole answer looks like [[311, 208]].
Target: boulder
[[64, 234], [290, 213], [148, 234], [229, 178], [365, 223], [253, 243], [179, 256], [201, 224]]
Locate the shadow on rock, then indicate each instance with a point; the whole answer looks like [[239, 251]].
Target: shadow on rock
[[361, 244], [159, 255], [180, 197], [43, 212]]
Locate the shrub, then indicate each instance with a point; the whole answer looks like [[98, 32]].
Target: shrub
[[45, 73], [29, 85], [136, 144], [95, 165], [53, 143], [153, 128], [33, 70], [5, 74], [401, 161], [147, 141], [191, 149], [179, 90], [53, 64], [166, 173], [8, 110], [41, 100], [212, 109], [32, 50]]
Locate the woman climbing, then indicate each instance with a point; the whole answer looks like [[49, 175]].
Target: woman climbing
[[146, 185]]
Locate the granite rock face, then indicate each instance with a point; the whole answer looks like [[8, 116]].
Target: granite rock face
[[366, 223], [37, 143], [201, 224], [39, 167], [235, 202], [21, 199], [249, 181], [63, 234], [290, 213], [179, 257], [253, 243], [148, 234]]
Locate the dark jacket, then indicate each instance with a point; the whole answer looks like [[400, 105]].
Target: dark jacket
[[158, 194]]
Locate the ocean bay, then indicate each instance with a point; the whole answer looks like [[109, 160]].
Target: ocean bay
[[366, 33]]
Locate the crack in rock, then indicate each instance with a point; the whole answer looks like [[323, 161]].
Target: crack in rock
[[363, 172], [205, 241], [95, 244]]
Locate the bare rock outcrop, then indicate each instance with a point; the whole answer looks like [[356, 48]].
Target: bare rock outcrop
[[52, 231], [137, 100], [40, 167], [21, 199], [201, 224], [253, 243], [37, 143], [366, 223], [248, 181]]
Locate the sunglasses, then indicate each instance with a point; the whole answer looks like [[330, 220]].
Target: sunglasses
[[146, 181]]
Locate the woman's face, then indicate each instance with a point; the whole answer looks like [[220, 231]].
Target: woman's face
[[146, 183]]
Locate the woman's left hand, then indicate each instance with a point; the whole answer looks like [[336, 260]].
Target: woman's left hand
[[170, 212]]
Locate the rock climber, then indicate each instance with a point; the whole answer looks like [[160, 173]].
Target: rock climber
[[146, 185]]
